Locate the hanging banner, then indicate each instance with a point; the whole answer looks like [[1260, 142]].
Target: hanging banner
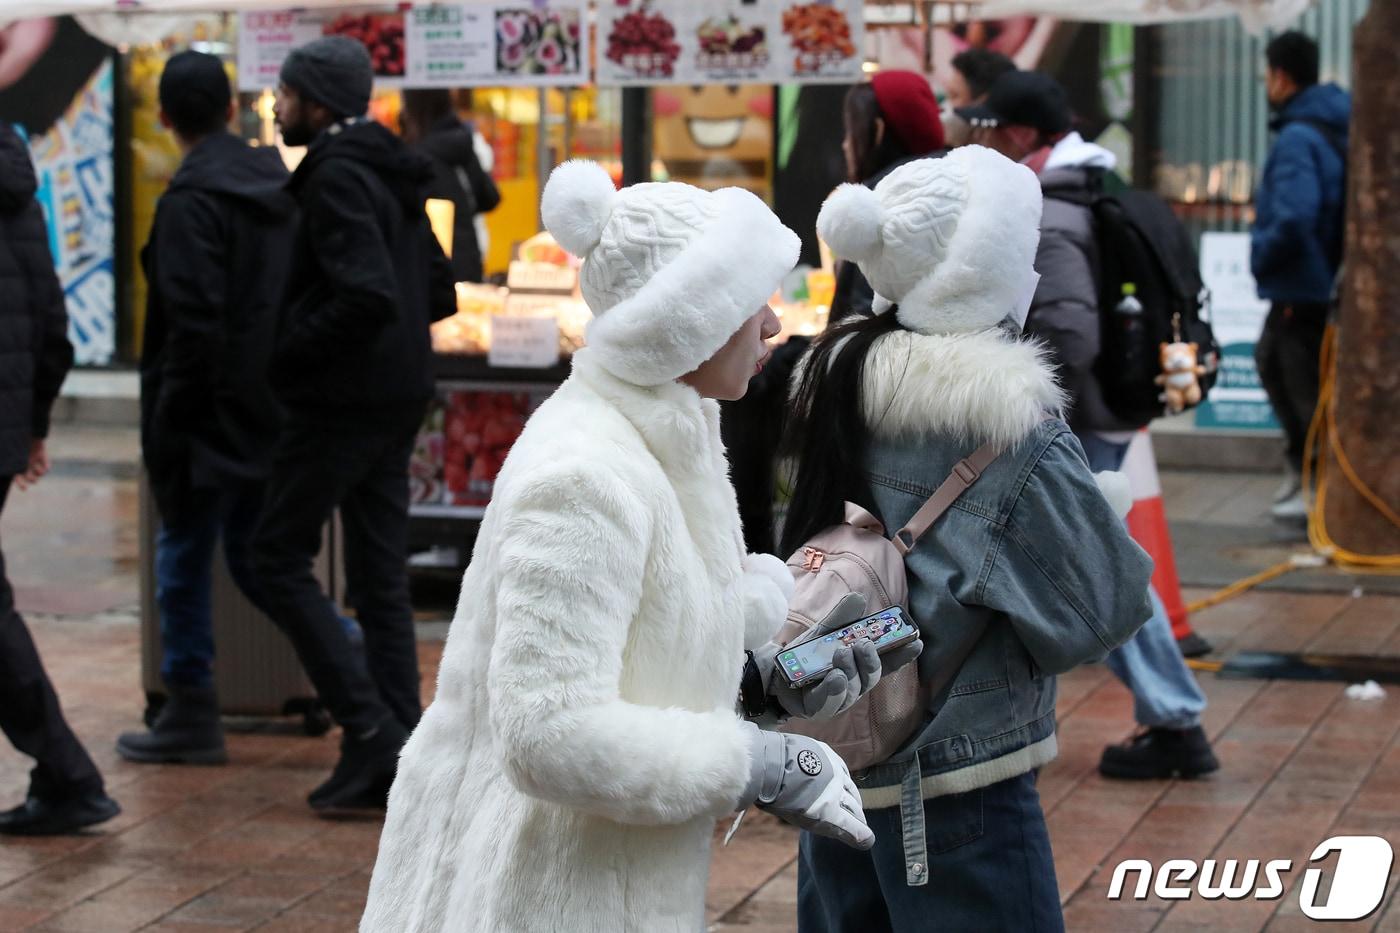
[[1237, 316], [432, 45], [729, 42], [464, 45]]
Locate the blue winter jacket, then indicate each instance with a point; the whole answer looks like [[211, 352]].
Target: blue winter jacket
[[1297, 236]]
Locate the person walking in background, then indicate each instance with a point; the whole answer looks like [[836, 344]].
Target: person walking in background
[[66, 791], [351, 366], [215, 263], [889, 120], [1027, 118], [974, 72], [432, 127], [1296, 242]]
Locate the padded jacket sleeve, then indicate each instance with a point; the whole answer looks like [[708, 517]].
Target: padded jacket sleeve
[[53, 353], [572, 565], [1291, 201], [347, 240], [1065, 310], [1065, 571], [192, 281]]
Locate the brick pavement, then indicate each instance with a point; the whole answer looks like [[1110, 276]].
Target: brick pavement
[[235, 847]]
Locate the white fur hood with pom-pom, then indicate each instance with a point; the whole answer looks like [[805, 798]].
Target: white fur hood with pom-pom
[[583, 738]]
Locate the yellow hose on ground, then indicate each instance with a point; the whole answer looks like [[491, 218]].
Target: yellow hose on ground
[[1322, 430]]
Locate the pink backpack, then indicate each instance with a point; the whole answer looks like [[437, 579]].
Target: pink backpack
[[856, 557]]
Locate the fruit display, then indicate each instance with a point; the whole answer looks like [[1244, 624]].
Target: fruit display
[[468, 332], [380, 33], [464, 440], [530, 42], [819, 34], [728, 37], [645, 43]]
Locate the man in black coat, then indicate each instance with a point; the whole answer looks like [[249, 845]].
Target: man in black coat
[[352, 368], [66, 791], [215, 263]]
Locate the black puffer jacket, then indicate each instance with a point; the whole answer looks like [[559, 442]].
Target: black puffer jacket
[[458, 177], [34, 350], [216, 263], [367, 279]]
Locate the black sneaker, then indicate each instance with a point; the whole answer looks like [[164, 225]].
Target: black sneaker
[[1160, 753], [1194, 646], [39, 817], [363, 775], [187, 730]]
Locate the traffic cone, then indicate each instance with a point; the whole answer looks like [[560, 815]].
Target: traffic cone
[[1147, 523]]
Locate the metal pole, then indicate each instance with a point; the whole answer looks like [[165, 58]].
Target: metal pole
[[543, 162], [636, 135]]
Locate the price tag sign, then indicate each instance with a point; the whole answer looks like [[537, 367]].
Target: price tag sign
[[524, 342]]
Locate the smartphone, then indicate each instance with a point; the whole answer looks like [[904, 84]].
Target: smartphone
[[807, 662]]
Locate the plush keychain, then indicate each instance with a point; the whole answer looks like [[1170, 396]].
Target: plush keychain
[[1180, 378]]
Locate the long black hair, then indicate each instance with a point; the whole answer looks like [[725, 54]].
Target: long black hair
[[873, 151], [827, 432]]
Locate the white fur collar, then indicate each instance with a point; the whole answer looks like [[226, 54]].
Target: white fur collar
[[978, 387], [679, 427]]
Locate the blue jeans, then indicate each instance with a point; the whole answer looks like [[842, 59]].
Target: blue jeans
[[1165, 692], [184, 577], [989, 868]]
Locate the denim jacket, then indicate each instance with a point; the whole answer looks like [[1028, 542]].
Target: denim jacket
[[1029, 574]]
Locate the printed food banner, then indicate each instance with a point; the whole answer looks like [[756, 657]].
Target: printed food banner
[[432, 45], [643, 42]]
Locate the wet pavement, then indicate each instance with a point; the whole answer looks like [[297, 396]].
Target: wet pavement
[[235, 848]]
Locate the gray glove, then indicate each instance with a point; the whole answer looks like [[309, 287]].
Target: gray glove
[[855, 671], [803, 782]]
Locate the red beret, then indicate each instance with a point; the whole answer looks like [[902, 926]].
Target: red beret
[[910, 110]]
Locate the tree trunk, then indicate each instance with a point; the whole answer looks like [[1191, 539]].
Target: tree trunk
[[1368, 348]]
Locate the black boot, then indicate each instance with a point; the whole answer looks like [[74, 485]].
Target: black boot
[[1160, 753], [38, 816], [186, 731], [364, 773]]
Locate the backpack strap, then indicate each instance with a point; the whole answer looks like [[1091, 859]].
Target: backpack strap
[[965, 472]]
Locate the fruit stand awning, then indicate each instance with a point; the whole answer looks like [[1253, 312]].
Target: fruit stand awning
[[1255, 15]]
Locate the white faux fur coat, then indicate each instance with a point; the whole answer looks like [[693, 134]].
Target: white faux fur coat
[[583, 739]]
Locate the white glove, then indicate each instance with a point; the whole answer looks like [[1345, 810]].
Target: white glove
[[855, 671], [803, 782]]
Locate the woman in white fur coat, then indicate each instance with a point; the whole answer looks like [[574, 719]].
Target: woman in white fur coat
[[584, 739]]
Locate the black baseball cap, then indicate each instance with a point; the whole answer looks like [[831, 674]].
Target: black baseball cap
[[1022, 98]]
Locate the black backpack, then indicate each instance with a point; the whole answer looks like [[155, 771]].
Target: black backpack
[[1141, 240]]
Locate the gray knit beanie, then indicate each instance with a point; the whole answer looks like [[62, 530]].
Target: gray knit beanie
[[333, 71]]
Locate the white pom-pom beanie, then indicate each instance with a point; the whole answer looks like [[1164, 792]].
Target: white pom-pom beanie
[[951, 240], [670, 271]]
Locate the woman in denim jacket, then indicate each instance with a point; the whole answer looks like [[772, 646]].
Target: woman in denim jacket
[[1028, 575]]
